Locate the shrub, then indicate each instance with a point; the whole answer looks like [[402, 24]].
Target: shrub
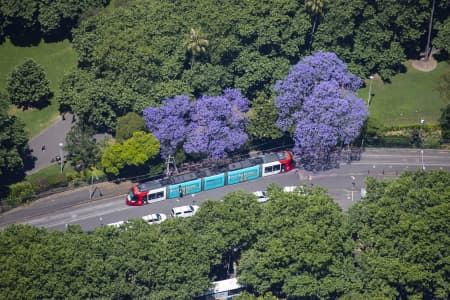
[[20, 192], [57, 180]]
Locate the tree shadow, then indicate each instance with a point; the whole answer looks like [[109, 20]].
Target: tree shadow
[[22, 37], [43, 103], [29, 161]]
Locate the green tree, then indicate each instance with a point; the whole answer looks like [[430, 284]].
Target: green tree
[[135, 151], [112, 99], [444, 89], [300, 244], [196, 44], [13, 146], [28, 85], [441, 41], [20, 20], [444, 122], [82, 147], [257, 73], [129, 124], [226, 229], [57, 17], [263, 116], [401, 236]]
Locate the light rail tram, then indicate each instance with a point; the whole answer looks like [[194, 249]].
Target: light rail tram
[[210, 178]]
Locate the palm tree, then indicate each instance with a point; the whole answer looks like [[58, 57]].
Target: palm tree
[[315, 7], [196, 44]]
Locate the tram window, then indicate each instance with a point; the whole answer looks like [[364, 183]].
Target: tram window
[[276, 168], [268, 169], [155, 195]]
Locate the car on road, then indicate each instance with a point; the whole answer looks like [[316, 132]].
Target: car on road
[[300, 189], [261, 195], [154, 218], [117, 224], [184, 211]]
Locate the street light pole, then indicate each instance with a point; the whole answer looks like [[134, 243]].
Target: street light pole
[[61, 145], [370, 90], [422, 121]]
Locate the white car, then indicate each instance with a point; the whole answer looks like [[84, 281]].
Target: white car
[[154, 218], [262, 196], [117, 224], [289, 189], [184, 211], [299, 189]]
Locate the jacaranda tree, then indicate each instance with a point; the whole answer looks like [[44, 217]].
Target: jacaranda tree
[[210, 125], [317, 103], [168, 122], [218, 124]]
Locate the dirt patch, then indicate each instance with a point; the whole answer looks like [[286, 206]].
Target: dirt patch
[[424, 65]]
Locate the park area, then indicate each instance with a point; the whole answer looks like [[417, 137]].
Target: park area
[[405, 100], [409, 97], [56, 59]]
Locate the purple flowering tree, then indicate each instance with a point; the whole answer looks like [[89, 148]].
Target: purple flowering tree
[[218, 124], [168, 122], [317, 103]]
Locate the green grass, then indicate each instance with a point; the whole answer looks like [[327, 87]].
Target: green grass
[[56, 59], [49, 171], [408, 98]]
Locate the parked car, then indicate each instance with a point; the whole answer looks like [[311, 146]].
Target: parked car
[[154, 218], [300, 189], [184, 211], [117, 224], [262, 196]]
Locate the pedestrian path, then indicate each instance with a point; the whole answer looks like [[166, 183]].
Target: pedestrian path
[[46, 147]]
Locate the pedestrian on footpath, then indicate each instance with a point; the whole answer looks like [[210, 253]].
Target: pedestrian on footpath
[[43, 148]]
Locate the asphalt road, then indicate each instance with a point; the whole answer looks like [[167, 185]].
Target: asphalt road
[[76, 208]]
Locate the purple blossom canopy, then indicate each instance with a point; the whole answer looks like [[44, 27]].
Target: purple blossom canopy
[[218, 124], [317, 102], [168, 122], [211, 125]]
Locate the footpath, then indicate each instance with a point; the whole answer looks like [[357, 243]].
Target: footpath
[[46, 146]]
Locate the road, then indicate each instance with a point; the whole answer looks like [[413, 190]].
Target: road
[[344, 185]]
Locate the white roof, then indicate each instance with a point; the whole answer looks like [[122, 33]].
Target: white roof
[[226, 285]]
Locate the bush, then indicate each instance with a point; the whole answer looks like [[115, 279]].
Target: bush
[[20, 192], [57, 180], [44, 184]]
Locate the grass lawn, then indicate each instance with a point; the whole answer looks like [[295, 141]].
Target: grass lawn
[[50, 171], [56, 59], [408, 98]]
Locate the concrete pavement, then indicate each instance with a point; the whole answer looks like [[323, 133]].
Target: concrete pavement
[[45, 146]]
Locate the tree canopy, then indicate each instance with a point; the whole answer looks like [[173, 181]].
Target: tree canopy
[[28, 86], [133, 152], [393, 243], [317, 102], [401, 230], [26, 21], [129, 124], [248, 46], [82, 147], [211, 125], [13, 146]]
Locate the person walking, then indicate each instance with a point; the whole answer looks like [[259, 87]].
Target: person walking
[[180, 191]]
